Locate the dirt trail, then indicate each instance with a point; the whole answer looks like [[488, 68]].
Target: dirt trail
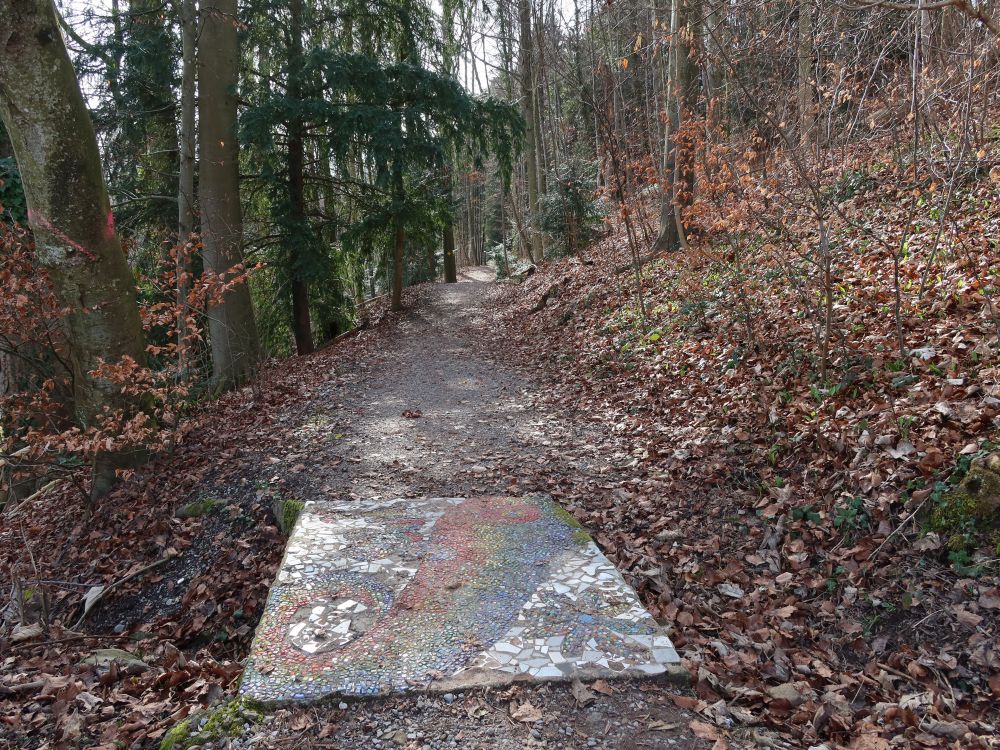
[[431, 413]]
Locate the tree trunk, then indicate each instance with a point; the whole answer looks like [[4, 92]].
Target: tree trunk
[[431, 261], [301, 323], [148, 112], [528, 112], [185, 184], [682, 79], [232, 329], [450, 267], [805, 70], [69, 211], [399, 240]]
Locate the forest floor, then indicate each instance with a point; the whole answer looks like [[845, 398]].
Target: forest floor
[[413, 405], [805, 535], [779, 529]]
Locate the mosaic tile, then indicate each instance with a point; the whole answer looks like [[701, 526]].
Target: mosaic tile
[[375, 597]]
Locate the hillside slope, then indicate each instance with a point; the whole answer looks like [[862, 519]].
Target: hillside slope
[[802, 531]]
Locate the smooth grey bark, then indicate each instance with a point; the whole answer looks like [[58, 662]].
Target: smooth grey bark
[[528, 112], [682, 84], [188, 16], [69, 211], [232, 328], [805, 48]]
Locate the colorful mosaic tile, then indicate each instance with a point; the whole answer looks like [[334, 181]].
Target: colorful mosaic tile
[[381, 596]]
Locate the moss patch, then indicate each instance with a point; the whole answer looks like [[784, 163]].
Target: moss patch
[[580, 534], [226, 720], [982, 485], [968, 515], [198, 508], [955, 511], [286, 513]]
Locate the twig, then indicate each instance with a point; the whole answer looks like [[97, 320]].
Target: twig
[[79, 637], [896, 530], [119, 582], [903, 675], [33, 496]]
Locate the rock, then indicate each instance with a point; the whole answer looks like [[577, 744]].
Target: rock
[[449, 698], [198, 508], [982, 485], [973, 505], [522, 271], [102, 657], [206, 728], [286, 512]]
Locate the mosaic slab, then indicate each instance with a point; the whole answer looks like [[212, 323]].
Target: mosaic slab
[[377, 597]]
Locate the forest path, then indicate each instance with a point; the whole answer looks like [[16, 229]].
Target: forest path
[[477, 433], [428, 412]]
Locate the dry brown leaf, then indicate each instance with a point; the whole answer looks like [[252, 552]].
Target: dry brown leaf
[[602, 687], [662, 726], [704, 730], [525, 712], [582, 695]]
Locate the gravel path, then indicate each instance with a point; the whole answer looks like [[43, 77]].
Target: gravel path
[[431, 414]]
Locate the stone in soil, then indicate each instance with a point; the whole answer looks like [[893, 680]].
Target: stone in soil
[[376, 597]]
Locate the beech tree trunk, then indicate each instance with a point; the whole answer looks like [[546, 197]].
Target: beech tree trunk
[[528, 112], [685, 24], [185, 183], [146, 89], [232, 329], [805, 46], [69, 210]]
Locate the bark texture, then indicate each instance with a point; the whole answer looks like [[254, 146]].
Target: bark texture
[[527, 72], [450, 266], [682, 72], [232, 329], [185, 183], [68, 209], [805, 95]]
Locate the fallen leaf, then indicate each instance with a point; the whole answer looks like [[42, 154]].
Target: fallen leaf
[[602, 687], [662, 726], [731, 590], [525, 712], [703, 731], [26, 632], [583, 696]]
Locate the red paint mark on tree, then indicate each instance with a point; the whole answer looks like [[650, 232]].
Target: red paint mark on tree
[[36, 219]]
